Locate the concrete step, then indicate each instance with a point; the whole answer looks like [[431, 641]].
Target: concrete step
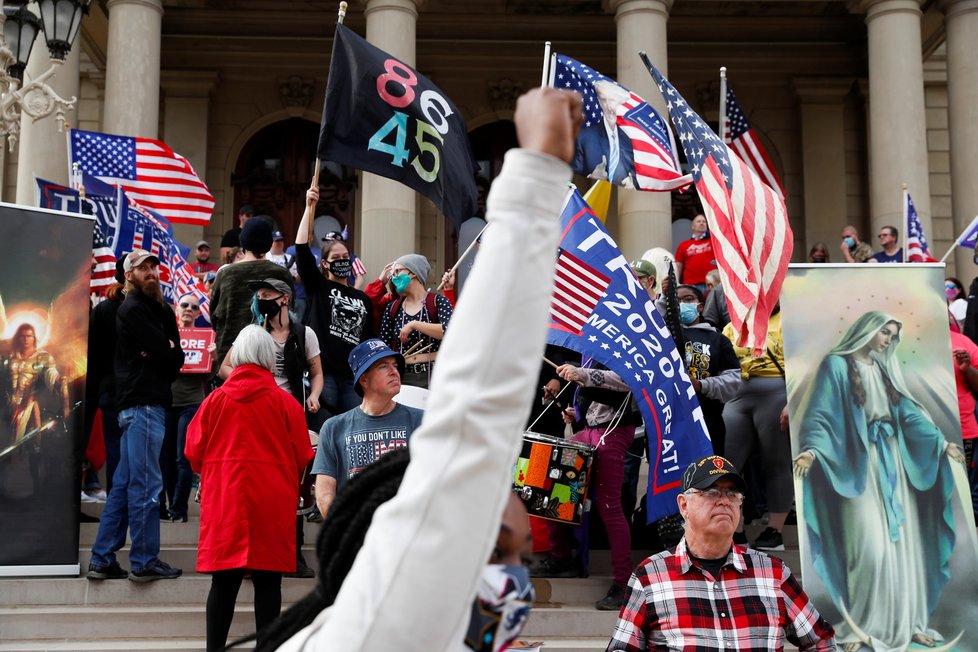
[[550, 644], [180, 534]]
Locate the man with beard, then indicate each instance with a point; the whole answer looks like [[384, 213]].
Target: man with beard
[[148, 358]]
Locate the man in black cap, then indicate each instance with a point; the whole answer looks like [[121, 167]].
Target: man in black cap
[[708, 593], [232, 236], [231, 297]]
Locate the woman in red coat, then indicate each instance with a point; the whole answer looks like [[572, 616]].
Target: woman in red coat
[[249, 442]]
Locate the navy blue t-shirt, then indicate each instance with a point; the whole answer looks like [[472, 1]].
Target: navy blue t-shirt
[[881, 257]]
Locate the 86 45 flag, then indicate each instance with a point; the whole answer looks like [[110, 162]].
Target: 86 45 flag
[[381, 116]]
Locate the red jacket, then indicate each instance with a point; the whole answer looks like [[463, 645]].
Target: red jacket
[[250, 444]]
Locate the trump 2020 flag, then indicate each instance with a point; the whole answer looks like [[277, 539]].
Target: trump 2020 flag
[[623, 331], [623, 139], [155, 175], [748, 222], [381, 116]]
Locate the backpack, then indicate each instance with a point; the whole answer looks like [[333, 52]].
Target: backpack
[[429, 302]]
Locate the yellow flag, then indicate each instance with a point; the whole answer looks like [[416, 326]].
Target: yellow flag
[[598, 198]]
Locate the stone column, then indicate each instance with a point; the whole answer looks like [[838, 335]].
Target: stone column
[[132, 68], [897, 130], [389, 210], [644, 218], [961, 28], [43, 145], [186, 113], [823, 159]]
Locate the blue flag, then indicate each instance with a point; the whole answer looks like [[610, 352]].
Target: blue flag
[[128, 229], [600, 310]]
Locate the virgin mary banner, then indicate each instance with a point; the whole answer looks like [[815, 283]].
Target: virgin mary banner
[[886, 528], [44, 299]]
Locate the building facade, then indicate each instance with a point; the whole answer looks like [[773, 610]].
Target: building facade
[[852, 99]]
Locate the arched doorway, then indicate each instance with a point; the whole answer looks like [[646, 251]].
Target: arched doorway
[[273, 172]]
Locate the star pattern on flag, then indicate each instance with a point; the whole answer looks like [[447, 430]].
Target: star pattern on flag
[[691, 129], [575, 76], [110, 156]]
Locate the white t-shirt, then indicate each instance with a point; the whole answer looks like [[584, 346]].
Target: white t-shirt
[[312, 350]]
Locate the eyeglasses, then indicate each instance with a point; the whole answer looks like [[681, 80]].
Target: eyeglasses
[[714, 494], [192, 306], [884, 235]]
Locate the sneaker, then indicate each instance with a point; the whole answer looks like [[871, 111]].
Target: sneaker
[[178, 519], [613, 600], [98, 495], [553, 567], [769, 539], [302, 571], [111, 572], [85, 498], [741, 539], [158, 570]]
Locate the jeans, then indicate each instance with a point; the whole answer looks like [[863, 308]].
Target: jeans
[[112, 437], [176, 470], [337, 397], [133, 502], [607, 472]]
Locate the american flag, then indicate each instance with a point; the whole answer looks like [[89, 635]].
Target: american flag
[[752, 239], [103, 269], [578, 288], [742, 139], [655, 166], [155, 175], [358, 268], [917, 249]]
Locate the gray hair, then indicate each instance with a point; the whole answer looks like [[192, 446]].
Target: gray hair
[[254, 346]]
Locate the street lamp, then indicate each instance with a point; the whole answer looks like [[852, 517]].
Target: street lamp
[[60, 21]]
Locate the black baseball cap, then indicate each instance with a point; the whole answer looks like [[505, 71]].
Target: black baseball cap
[[702, 473]]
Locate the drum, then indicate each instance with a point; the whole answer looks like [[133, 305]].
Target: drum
[[411, 396], [551, 477], [307, 482]]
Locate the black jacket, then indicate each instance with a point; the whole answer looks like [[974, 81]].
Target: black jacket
[[145, 326]]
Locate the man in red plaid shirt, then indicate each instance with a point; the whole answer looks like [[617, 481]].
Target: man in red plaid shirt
[[709, 594]]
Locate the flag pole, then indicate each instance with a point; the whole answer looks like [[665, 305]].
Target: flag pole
[[723, 104], [545, 77], [462, 257], [906, 224], [340, 15], [960, 237]]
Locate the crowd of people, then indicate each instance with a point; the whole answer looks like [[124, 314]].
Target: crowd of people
[[420, 529]]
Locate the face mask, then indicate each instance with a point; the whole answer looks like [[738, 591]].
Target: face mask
[[268, 307], [401, 282], [501, 608], [341, 268], [951, 292], [818, 259], [850, 242], [688, 313]]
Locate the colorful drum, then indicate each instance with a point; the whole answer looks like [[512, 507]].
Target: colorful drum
[[551, 477], [307, 482]]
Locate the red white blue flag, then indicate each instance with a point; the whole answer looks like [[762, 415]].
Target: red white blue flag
[[917, 249], [744, 141]]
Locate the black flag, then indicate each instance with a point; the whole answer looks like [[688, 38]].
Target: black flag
[[381, 116]]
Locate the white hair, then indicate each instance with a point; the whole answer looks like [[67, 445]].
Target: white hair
[[253, 346]]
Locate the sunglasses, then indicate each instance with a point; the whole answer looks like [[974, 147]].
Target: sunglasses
[[192, 306]]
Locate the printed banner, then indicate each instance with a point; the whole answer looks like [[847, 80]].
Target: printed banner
[[599, 309], [44, 300], [195, 342], [886, 528]]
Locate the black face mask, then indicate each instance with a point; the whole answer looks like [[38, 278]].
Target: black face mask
[[269, 307], [341, 268]]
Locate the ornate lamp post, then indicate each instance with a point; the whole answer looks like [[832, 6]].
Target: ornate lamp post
[[59, 21]]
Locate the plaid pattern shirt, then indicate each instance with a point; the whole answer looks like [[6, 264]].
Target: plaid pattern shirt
[[673, 604]]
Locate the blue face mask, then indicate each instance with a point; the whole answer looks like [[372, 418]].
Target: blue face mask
[[401, 282], [688, 313], [849, 241]]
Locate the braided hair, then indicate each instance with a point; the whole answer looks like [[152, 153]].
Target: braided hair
[[339, 541]]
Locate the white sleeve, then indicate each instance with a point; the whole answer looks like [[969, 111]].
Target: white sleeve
[[413, 582], [312, 344]]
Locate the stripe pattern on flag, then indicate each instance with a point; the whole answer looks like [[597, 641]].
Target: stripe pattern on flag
[[743, 140], [578, 288], [103, 268], [152, 173], [917, 249], [358, 268], [748, 222]]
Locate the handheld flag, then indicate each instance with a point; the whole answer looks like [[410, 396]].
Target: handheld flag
[[120, 234], [600, 310], [742, 140], [917, 248], [155, 175], [748, 222], [623, 139], [381, 116], [969, 236]]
